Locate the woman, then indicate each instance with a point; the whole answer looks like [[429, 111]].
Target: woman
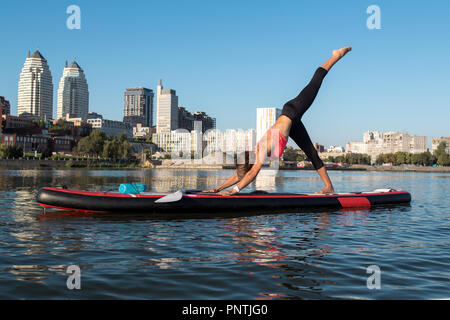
[[289, 124]]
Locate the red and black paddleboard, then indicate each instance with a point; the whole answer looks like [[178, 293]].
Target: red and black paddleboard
[[196, 202]]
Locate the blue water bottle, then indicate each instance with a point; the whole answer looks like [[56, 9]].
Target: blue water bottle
[[135, 187]]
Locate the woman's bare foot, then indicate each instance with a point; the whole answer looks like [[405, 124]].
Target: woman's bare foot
[[325, 190], [339, 53]]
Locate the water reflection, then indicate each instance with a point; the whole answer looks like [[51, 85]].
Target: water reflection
[[258, 242], [33, 273], [351, 217], [263, 244], [267, 180]]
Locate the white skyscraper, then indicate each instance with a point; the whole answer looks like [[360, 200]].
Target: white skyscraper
[[265, 118], [167, 109], [73, 93], [238, 140], [35, 94]]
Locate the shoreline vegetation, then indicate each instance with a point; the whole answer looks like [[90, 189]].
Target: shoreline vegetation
[[61, 163]]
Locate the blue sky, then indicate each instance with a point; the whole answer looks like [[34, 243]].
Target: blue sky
[[229, 57]]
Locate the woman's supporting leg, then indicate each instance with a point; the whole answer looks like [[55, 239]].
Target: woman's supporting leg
[[301, 138], [326, 180]]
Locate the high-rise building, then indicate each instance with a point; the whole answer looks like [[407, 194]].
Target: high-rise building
[[372, 144], [186, 120], [35, 94], [265, 119], [207, 121], [418, 144], [5, 105], [355, 147], [73, 93], [138, 107], [167, 109]]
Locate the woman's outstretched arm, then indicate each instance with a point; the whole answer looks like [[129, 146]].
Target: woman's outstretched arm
[[247, 179], [228, 183]]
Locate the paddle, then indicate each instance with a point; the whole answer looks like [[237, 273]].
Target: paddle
[[171, 197]]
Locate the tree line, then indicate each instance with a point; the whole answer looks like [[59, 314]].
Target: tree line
[[96, 144], [351, 158], [291, 154], [10, 151], [100, 145], [438, 157]]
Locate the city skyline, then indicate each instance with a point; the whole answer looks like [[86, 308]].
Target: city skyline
[[135, 108], [259, 60], [263, 121]]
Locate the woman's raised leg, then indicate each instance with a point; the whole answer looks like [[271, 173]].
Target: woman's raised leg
[[295, 108]]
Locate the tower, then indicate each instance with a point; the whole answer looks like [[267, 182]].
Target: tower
[[167, 109], [35, 90], [73, 92], [138, 106]]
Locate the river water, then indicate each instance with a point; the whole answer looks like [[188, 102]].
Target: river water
[[315, 254]]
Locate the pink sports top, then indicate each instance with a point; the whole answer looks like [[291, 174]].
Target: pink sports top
[[280, 143]]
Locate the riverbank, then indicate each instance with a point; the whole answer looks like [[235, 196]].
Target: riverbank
[[401, 168], [21, 164]]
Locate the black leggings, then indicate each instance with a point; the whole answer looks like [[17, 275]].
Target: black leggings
[[295, 108]]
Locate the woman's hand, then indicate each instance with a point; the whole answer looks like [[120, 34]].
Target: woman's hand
[[210, 191], [228, 192]]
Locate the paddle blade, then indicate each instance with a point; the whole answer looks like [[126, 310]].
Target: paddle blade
[[172, 197]]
